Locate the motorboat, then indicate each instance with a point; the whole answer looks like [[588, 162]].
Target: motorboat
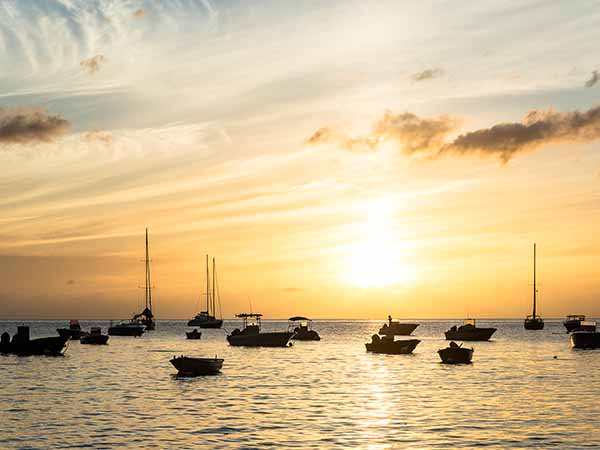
[[94, 337], [588, 339], [194, 334], [534, 322], [73, 332], [469, 331], [191, 367], [387, 344], [22, 345], [127, 328], [251, 336], [456, 354], [302, 329], [397, 328], [208, 319], [573, 322]]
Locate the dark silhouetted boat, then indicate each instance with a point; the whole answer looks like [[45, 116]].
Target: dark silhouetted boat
[[534, 322], [73, 332], [388, 345], [95, 337], [127, 328], [573, 322], [146, 317], [469, 331], [192, 367], [251, 336], [588, 339], [22, 345], [302, 329], [456, 354], [208, 319], [397, 328], [194, 334]]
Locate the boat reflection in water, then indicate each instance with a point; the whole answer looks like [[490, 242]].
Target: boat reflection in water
[[469, 331], [302, 328], [251, 336], [192, 367], [388, 345], [587, 337], [22, 345], [456, 354]]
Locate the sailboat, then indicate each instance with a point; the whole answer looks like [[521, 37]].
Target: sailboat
[[534, 322], [208, 319], [146, 317]]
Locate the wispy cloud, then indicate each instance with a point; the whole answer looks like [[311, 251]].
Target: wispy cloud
[[427, 74], [27, 125], [593, 80], [139, 13], [93, 64]]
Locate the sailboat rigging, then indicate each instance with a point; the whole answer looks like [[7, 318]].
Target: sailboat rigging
[[208, 318], [534, 322], [146, 317]]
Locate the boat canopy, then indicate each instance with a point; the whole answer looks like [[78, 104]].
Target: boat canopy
[[575, 317], [298, 319], [469, 322], [248, 315]]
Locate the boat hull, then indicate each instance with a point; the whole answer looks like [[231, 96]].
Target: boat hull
[[193, 336], [273, 339], [192, 367], [398, 329], [402, 347], [217, 323], [48, 346], [585, 339], [126, 331], [571, 325], [94, 339], [310, 335], [472, 334], [456, 355], [533, 324], [71, 334]]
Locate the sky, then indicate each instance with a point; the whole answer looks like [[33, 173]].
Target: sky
[[338, 159]]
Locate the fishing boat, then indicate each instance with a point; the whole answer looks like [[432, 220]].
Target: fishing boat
[[534, 322], [194, 334], [397, 328], [191, 367], [94, 337], [302, 329], [208, 319], [127, 328], [573, 322], [22, 345], [73, 332], [586, 339], [251, 336], [388, 345], [456, 354], [146, 317], [469, 331]]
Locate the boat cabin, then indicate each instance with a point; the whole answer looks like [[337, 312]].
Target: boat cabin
[[74, 325], [588, 325], [470, 322], [251, 323], [299, 323], [575, 317]]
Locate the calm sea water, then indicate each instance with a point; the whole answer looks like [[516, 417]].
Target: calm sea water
[[314, 395]]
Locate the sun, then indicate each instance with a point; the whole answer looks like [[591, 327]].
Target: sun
[[376, 259]]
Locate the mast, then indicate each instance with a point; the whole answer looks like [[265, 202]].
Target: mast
[[534, 281], [213, 289], [148, 283], [207, 288]]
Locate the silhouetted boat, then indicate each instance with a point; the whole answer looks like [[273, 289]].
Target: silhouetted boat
[[534, 322], [95, 337], [469, 332], [251, 336], [128, 328], [208, 319], [302, 328], [22, 345], [397, 328], [588, 339], [191, 367], [194, 334], [573, 322], [388, 345], [73, 332], [456, 354], [146, 317]]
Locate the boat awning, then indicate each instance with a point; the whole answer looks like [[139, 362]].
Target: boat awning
[[297, 318], [247, 315]]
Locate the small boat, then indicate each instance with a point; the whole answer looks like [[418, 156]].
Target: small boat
[[128, 328], [251, 336], [469, 331], [146, 317], [302, 329], [534, 322], [22, 345], [388, 345], [73, 332], [95, 337], [573, 322], [191, 367], [456, 354], [397, 328], [208, 319], [588, 339], [194, 334]]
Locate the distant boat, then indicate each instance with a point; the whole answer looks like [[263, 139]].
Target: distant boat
[[573, 322], [73, 332], [95, 337], [251, 336], [469, 331], [534, 322], [146, 317], [208, 319], [194, 334], [588, 339], [397, 328], [302, 329], [127, 328], [456, 354], [388, 345], [22, 345], [191, 367]]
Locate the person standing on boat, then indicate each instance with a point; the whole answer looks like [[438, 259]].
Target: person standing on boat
[[390, 319]]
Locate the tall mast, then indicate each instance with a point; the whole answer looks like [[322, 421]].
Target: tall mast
[[534, 282], [148, 283], [207, 288], [213, 289]]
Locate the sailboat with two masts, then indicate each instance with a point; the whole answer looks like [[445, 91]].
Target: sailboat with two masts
[[208, 318], [534, 322]]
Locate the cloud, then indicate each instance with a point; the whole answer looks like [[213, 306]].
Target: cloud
[[26, 125], [592, 81], [139, 13], [92, 65], [427, 74], [70, 282]]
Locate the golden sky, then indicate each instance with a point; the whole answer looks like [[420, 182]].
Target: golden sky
[[339, 159]]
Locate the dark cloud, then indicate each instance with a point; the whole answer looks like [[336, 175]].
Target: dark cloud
[[27, 125], [92, 65], [427, 74], [593, 80], [70, 282], [139, 13]]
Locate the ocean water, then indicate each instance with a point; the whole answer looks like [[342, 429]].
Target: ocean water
[[327, 394]]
